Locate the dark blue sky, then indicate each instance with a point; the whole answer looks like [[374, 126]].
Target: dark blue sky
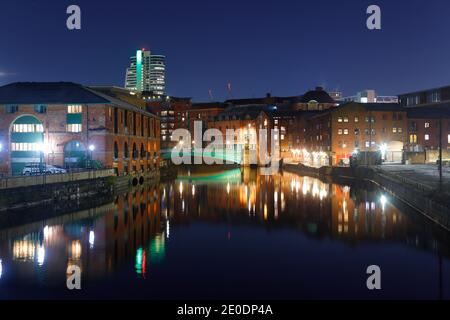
[[284, 47]]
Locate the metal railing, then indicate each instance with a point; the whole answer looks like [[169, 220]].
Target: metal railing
[[12, 182]]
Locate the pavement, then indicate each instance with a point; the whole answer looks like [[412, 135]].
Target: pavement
[[421, 174]]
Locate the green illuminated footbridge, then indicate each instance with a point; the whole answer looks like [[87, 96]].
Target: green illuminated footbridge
[[208, 157]]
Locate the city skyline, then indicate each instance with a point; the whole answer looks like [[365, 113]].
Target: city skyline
[[210, 45]]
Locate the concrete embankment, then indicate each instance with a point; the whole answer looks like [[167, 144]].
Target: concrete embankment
[[32, 191], [426, 200]]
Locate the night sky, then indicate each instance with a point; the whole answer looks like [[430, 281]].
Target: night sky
[[283, 47]]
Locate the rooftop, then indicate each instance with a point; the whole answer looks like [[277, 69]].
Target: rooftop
[[47, 93]]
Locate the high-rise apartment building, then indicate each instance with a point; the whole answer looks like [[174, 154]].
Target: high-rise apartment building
[[146, 73]]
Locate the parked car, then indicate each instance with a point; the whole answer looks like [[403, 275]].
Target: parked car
[[54, 169], [33, 169]]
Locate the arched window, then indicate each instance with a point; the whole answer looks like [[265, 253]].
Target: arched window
[[116, 150], [135, 152], [125, 150], [142, 151]]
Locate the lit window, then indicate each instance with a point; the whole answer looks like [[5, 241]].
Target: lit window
[[28, 128], [282, 137], [345, 119], [339, 131], [448, 139], [412, 138], [356, 119], [399, 130], [427, 137], [340, 119], [367, 144], [394, 130], [74, 127], [345, 131], [75, 109], [427, 124], [24, 146]]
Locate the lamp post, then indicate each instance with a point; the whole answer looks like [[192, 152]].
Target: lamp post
[[91, 151], [43, 148]]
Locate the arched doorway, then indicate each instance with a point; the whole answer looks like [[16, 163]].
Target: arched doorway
[[75, 154], [27, 143]]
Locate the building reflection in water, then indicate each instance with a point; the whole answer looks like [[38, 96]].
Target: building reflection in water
[[98, 241], [135, 230]]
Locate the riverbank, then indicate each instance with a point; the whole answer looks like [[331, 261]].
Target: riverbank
[[429, 201], [25, 192]]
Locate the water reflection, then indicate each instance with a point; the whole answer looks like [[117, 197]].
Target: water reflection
[[129, 238]]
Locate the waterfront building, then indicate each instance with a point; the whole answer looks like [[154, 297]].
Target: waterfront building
[[74, 126], [246, 123], [424, 137], [146, 73], [332, 136], [203, 112], [173, 112], [370, 96]]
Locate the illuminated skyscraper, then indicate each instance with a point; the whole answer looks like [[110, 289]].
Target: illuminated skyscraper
[[146, 73]]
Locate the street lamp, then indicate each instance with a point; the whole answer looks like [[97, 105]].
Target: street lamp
[[43, 148], [91, 149], [383, 149]]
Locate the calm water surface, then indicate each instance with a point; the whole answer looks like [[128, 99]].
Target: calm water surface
[[230, 234]]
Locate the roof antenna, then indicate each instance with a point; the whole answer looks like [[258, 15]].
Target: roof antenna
[[230, 92], [210, 93]]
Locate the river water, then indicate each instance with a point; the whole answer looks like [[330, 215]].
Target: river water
[[230, 235]]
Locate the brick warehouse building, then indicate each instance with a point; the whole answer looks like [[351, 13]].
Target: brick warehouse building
[[67, 124], [333, 135]]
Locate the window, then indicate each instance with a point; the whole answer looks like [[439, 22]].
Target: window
[[28, 128], [367, 144], [448, 138], [346, 131], [434, 96], [356, 131], [412, 100], [400, 130], [339, 131], [345, 119], [394, 130], [75, 109], [74, 127], [413, 138], [282, 137], [12, 108], [40, 108], [427, 124], [339, 119], [427, 137], [24, 146], [356, 119]]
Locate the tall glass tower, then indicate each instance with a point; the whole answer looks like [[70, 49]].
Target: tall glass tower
[[147, 73]]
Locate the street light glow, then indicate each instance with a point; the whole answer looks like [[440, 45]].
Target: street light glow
[[91, 147]]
